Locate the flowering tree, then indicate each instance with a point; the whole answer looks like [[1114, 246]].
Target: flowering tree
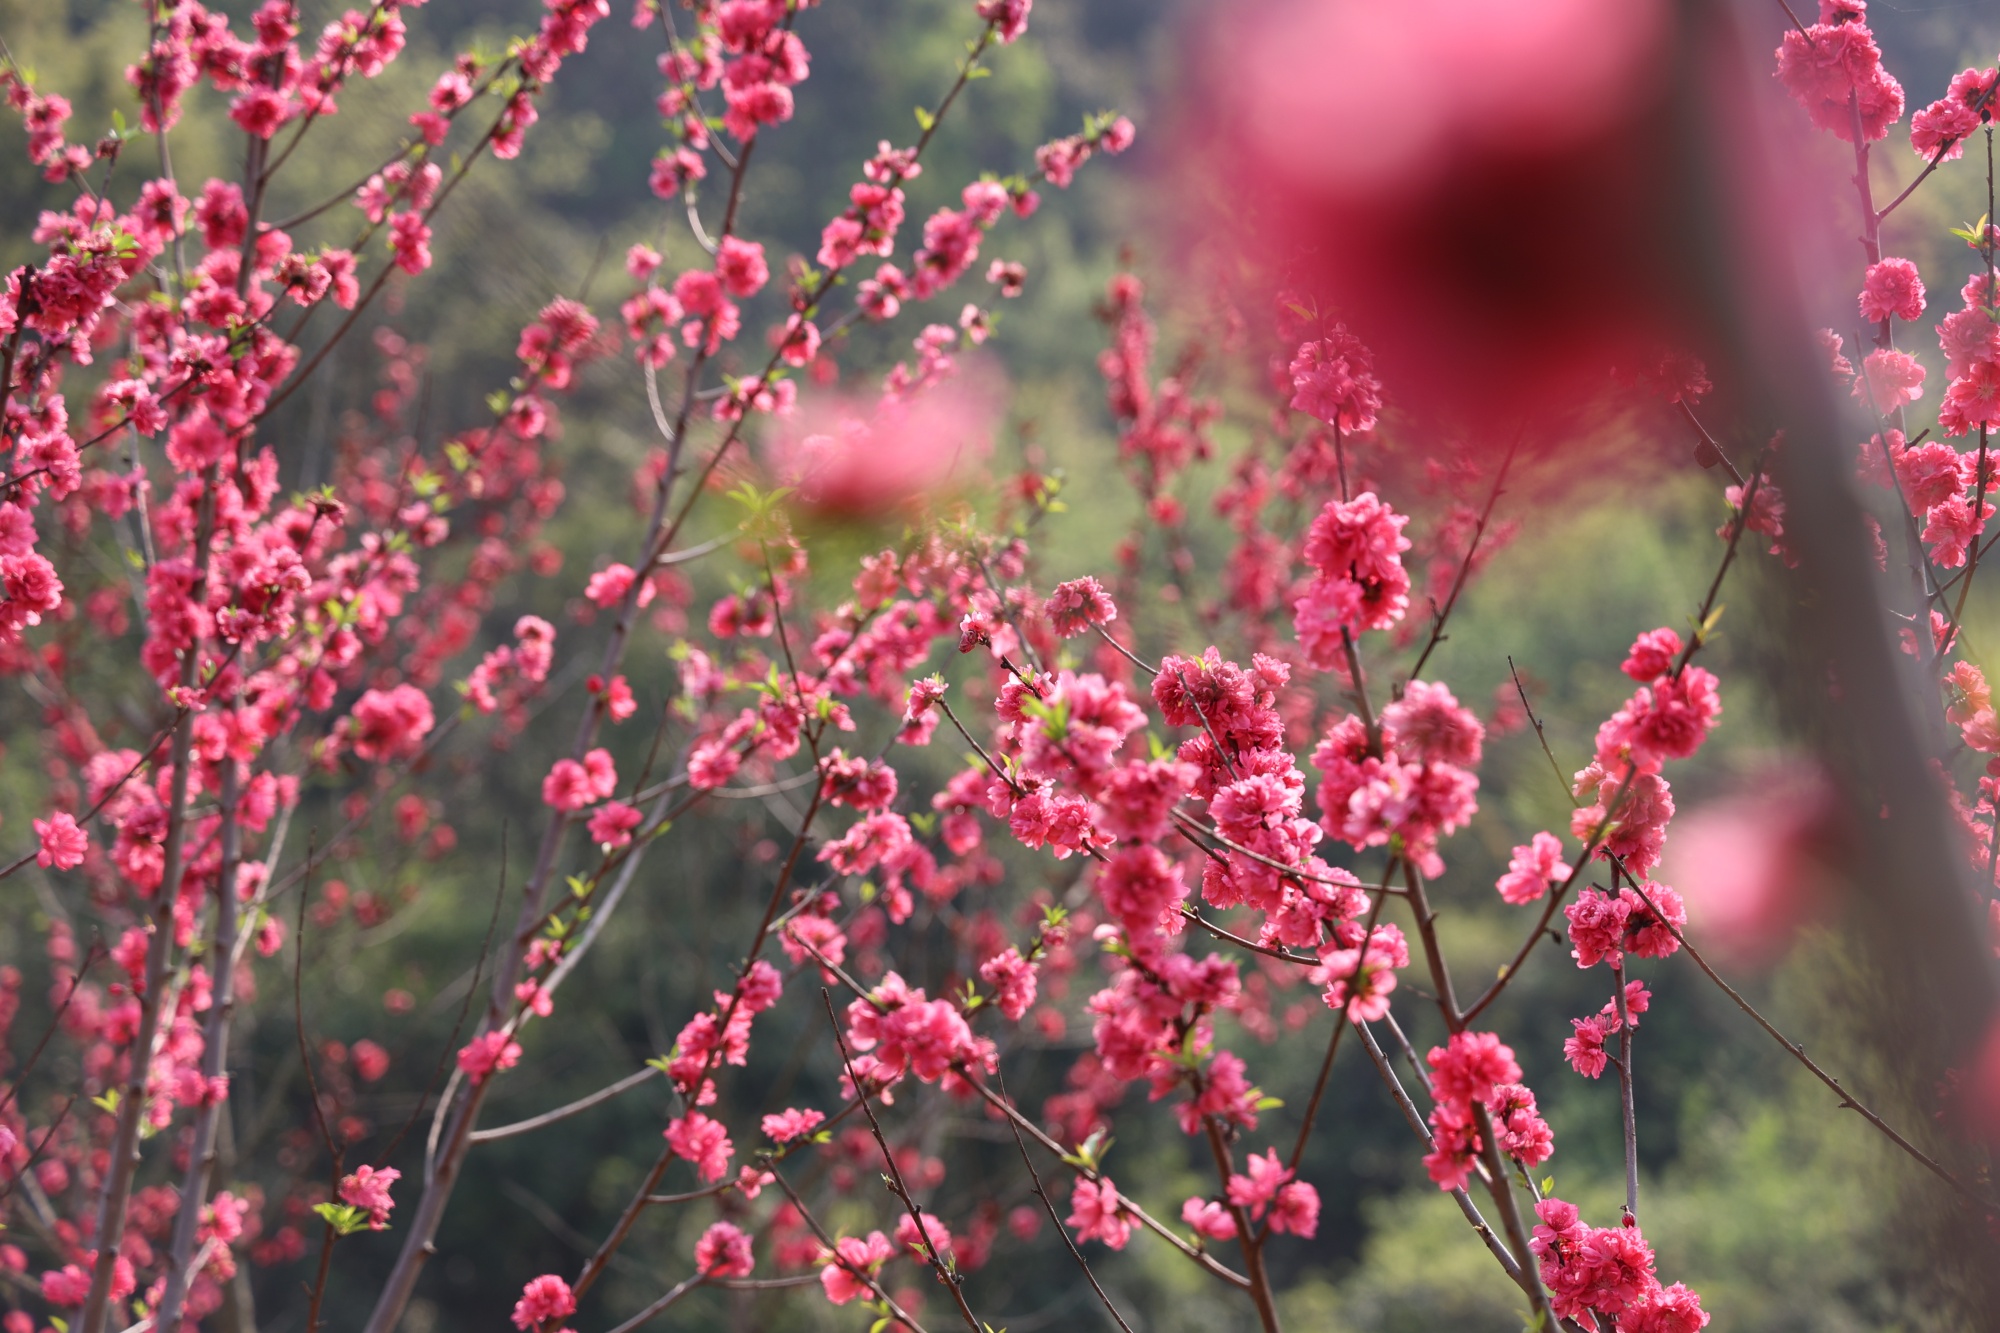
[[1206, 834]]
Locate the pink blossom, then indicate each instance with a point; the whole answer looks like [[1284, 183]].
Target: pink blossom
[[1835, 60], [1672, 1309], [1585, 1049], [1639, 833], [544, 1300], [702, 1141], [1096, 1212], [1333, 380], [1143, 892], [1209, 1218], [1356, 546], [1455, 1142], [1651, 934], [1950, 527], [608, 586], [487, 1052], [791, 1123], [567, 786], [611, 824], [1470, 1066], [1295, 1211], [740, 265], [1652, 655], [934, 1236], [1008, 17], [1138, 798], [391, 724], [1429, 726], [1751, 864], [908, 1032], [371, 1062], [859, 459], [823, 936], [1013, 980], [1532, 868], [1596, 928], [1890, 380], [1892, 289], [410, 240], [1361, 981], [534, 998], [1255, 1190], [724, 1251], [924, 695], [1940, 129], [66, 1287], [62, 842], [368, 1188], [852, 1260], [1522, 1132], [1079, 604], [879, 839]]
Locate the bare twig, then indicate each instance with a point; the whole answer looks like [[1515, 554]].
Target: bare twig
[[947, 1272], [1061, 1230]]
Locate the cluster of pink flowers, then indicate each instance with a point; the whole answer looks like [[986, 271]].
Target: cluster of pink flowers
[[1834, 69], [368, 1189], [1585, 1050], [1293, 1203], [902, 1032], [1475, 1075], [545, 1301], [1355, 548], [1939, 130], [1607, 1273], [1333, 380], [1413, 782], [1195, 879]]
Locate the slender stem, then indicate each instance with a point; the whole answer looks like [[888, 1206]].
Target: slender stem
[[947, 1273], [1625, 1094], [834, 1256], [1709, 441], [1144, 1218], [214, 1060], [1127, 653], [1847, 1099], [1540, 735], [1189, 826], [1437, 634], [55, 1022], [679, 1289], [1246, 1238], [562, 1113], [1447, 998], [1937, 157], [1061, 1230], [1339, 1026], [124, 1158], [1415, 1118], [1502, 1189], [595, 1267]]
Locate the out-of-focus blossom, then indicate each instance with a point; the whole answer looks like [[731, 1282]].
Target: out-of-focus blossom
[[864, 460], [1751, 866], [1478, 197]]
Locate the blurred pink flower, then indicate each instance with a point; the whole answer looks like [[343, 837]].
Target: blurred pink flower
[[861, 460], [1479, 195], [1751, 866]]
